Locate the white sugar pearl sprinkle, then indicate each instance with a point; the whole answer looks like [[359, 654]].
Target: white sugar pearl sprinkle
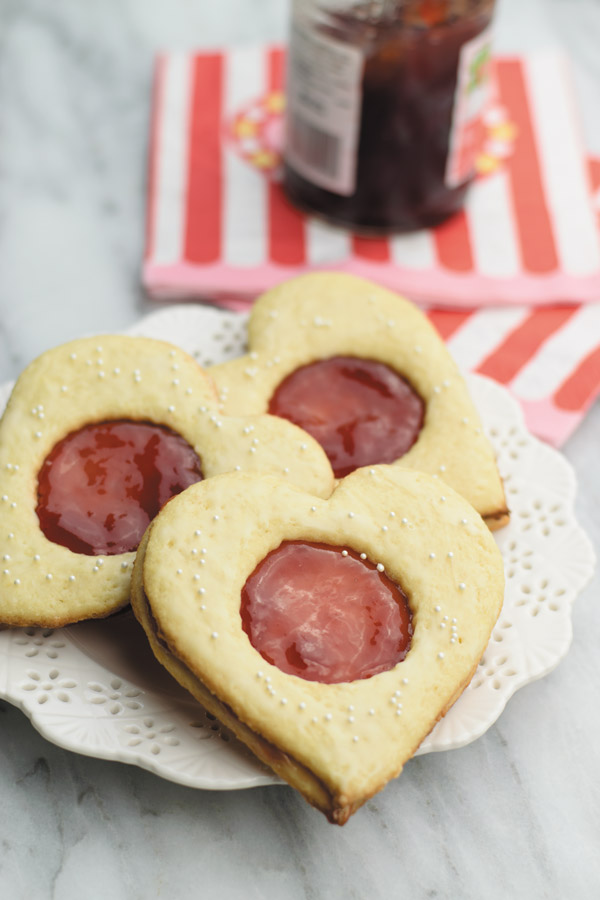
[[440, 655], [450, 554], [438, 608], [461, 586], [363, 555], [380, 567], [355, 739], [215, 635], [432, 555], [328, 717], [344, 553]]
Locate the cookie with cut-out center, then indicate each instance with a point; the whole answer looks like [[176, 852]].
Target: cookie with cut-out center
[[97, 435], [366, 374], [329, 635]]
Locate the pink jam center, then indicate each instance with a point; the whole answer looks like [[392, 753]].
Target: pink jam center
[[324, 614], [359, 410], [101, 486]]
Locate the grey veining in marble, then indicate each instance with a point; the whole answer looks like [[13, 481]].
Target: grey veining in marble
[[514, 815]]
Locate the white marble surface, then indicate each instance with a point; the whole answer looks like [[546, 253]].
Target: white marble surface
[[514, 815]]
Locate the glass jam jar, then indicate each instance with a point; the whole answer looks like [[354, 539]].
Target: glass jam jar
[[383, 108]]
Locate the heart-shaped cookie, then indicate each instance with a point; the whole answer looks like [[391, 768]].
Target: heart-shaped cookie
[[84, 390], [338, 743], [364, 372]]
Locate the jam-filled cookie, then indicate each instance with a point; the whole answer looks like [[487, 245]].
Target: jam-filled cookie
[[365, 373], [97, 435], [329, 635]]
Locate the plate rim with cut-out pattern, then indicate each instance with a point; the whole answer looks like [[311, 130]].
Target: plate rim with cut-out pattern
[[75, 701]]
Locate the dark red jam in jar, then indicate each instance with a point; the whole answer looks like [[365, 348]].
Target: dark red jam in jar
[[361, 411], [384, 102], [325, 614], [101, 486]]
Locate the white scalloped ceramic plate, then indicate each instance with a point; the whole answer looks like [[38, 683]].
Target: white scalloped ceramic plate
[[95, 688]]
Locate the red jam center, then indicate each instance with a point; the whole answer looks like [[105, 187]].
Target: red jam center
[[359, 410], [101, 486], [324, 614]]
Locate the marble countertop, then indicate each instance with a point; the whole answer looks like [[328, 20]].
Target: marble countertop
[[513, 815]]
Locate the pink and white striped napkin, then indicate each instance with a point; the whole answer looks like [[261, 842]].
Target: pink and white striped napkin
[[521, 263], [219, 224]]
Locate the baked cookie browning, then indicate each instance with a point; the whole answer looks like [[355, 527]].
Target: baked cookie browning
[[336, 743]]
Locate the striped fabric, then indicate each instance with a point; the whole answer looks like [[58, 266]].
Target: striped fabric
[[548, 357], [520, 264]]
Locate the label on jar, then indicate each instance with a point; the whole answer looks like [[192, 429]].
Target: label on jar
[[470, 97], [324, 97]]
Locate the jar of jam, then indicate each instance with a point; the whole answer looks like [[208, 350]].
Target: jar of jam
[[383, 107]]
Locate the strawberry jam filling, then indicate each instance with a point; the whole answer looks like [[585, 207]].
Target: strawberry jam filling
[[324, 614], [101, 486], [359, 410]]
